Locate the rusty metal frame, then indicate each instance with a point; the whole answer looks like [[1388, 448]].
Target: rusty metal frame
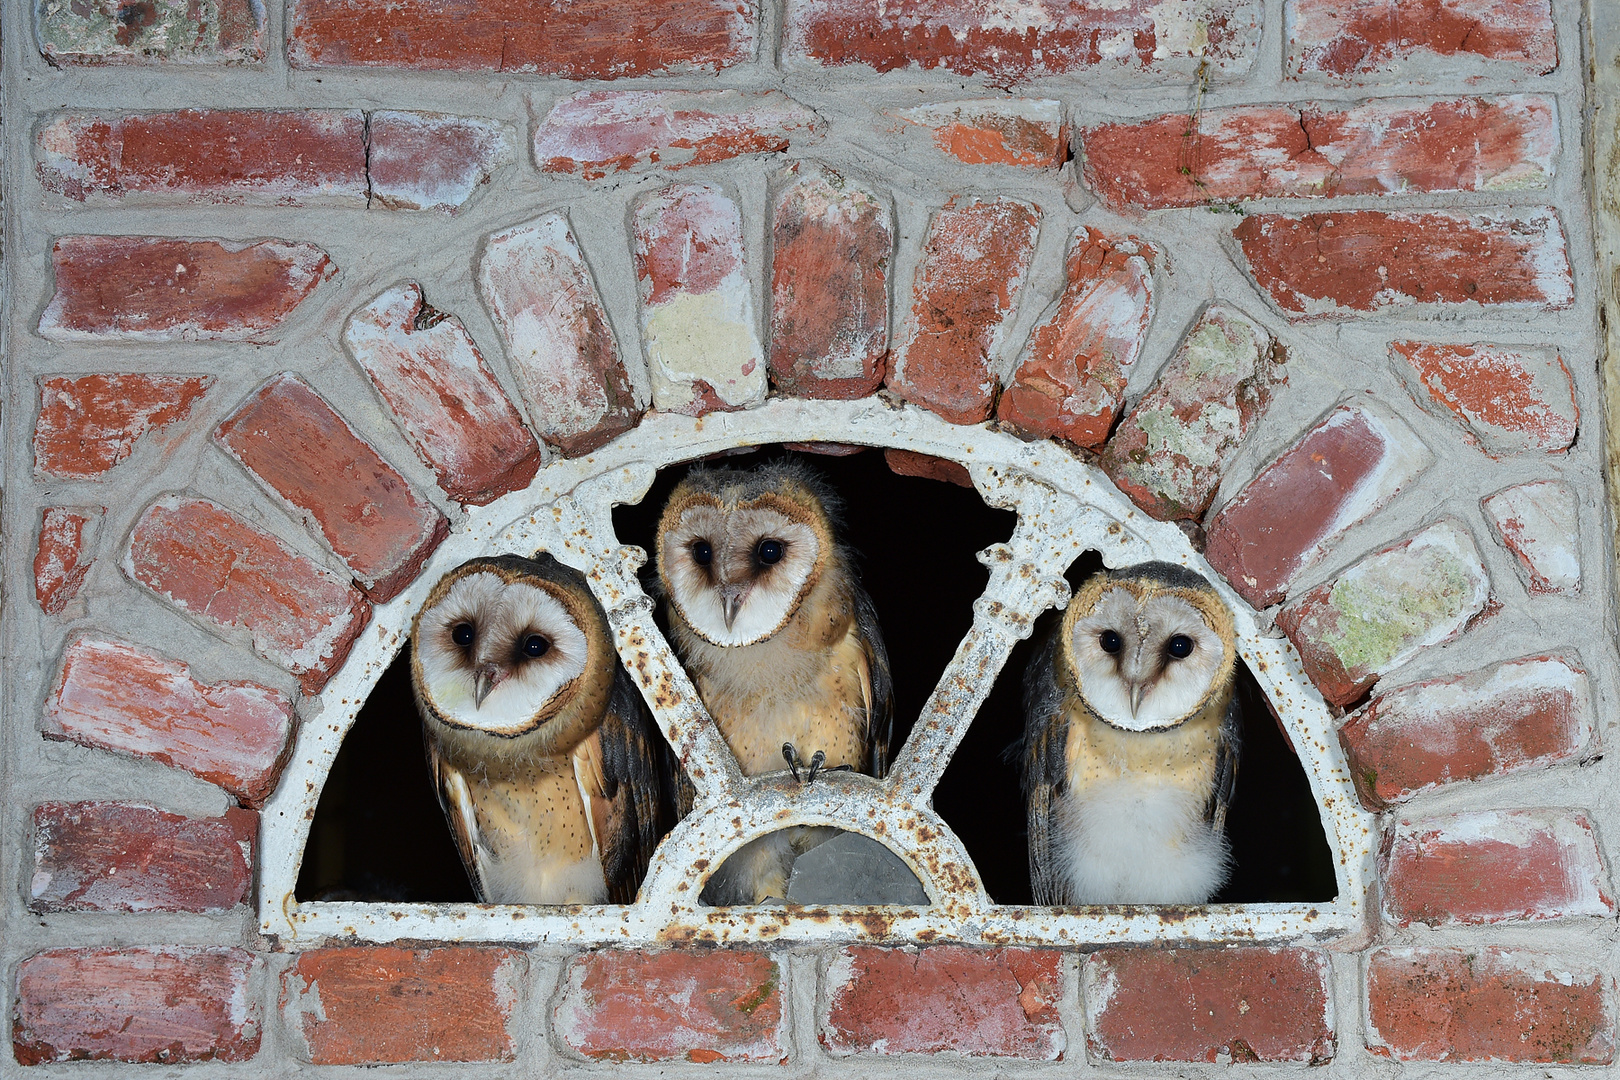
[[1064, 507]]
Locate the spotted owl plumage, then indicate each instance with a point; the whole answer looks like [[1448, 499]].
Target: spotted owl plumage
[[1132, 735], [771, 622], [542, 751]]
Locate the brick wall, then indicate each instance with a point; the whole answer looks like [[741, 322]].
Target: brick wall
[[1314, 277]]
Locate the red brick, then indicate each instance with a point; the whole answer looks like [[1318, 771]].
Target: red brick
[[1027, 132], [139, 1005], [430, 374], [135, 288], [703, 1006], [832, 251], [88, 424], [1341, 471], [1493, 866], [978, 1002], [429, 161], [279, 156], [1070, 382], [97, 856], [1169, 454], [598, 131], [232, 577], [1508, 400], [1522, 714], [1363, 261], [1012, 44], [66, 537], [973, 268], [307, 456], [1271, 151], [581, 39], [1248, 1004], [559, 343], [377, 1006], [1538, 523], [116, 696], [147, 32], [1373, 37], [698, 330], [1386, 608], [911, 463], [1488, 1004]]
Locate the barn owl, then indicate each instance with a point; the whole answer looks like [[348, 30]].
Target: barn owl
[[541, 748], [1131, 740], [771, 622]]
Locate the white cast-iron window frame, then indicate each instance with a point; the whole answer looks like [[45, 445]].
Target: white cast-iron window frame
[[1065, 507]]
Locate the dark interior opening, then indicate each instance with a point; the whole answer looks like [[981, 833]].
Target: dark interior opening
[[379, 835]]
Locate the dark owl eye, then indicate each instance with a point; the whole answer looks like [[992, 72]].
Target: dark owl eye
[[1180, 646], [769, 551], [702, 553], [462, 634], [1109, 641], [534, 645]]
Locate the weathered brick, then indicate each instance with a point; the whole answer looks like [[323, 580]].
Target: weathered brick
[[595, 132], [703, 1006], [89, 423], [442, 395], [139, 1005], [119, 697], [1386, 608], [430, 161], [277, 156], [1341, 471], [1013, 44], [581, 39], [66, 537], [1169, 454], [1360, 38], [967, 284], [926, 466], [1508, 400], [1488, 1004], [1493, 866], [1070, 381], [698, 330], [231, 576], [1332, 265], [100, 856], [559, 345], [1521, 714], [310, 460], [1028, 132], [1250, 1004], [1538, 523], [977, 1002], [378, 1006], [832, 252], [151, 32], [145, 288], [1270, 151]]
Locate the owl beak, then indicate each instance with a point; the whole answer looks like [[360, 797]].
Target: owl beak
[[1138, 692], [731, 599], [483, 682]]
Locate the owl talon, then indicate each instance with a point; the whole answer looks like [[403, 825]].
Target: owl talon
[[817, 759], [791, 756]]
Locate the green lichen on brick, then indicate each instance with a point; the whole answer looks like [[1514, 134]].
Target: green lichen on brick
[[1211, 353], [1393, 602], [761, 994], [149, 30]]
